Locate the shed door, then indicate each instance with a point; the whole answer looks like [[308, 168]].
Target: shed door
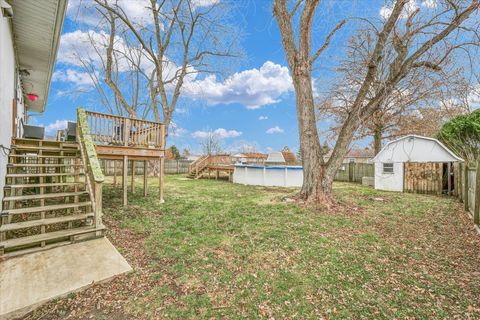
[[423, 177]]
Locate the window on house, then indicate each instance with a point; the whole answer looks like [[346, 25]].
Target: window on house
[[388, 167]]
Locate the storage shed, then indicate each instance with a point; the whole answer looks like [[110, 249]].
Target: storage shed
[[414, 164]]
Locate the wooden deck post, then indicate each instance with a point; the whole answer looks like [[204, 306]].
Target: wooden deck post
[[465, 189], [162, 164], [114, 173], [124, 179], [133, 176], [476, 211], [160, 179], [449, 181], [145, 178]]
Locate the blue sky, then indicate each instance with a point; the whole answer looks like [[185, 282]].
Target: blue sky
[[263, 118]]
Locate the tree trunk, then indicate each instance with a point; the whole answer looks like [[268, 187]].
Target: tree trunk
[[377, 140], [317, 186]]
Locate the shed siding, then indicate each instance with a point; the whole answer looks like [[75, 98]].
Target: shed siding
[[389, 181]]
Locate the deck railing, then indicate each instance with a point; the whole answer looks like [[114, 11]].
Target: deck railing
[[198, 165], [107, 129], [93, 171]]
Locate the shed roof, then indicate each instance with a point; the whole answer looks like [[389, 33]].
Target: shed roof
[[37, 26], [413, 148]]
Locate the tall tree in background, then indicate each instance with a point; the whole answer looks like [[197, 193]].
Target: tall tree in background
[[420, 38], [415, 105], [462, 136], [182, 39], [211, 144], [175, 152]]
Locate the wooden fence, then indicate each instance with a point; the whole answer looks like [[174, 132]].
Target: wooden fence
[[467, 189], [353, 172]]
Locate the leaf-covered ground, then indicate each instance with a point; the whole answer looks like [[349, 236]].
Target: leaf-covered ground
[[219, 250]]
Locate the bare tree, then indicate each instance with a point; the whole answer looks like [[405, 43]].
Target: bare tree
[[121, 90], [414, 106], [211, 144], [181, 40], [420, 41]]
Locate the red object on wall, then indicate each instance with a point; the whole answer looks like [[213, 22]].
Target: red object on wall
[[32, 97]]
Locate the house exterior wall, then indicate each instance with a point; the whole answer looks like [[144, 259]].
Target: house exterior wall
[[7, 93], [389, 181], [9, 83]]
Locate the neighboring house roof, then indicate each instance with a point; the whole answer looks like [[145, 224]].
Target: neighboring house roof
[[413, 148], [355, 153], [251, 155], [275, 157], [289, 157], [360, 153], [193, 157], [37, 26], [169, 154]]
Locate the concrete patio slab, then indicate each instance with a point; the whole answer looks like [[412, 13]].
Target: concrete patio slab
[[32, 279]]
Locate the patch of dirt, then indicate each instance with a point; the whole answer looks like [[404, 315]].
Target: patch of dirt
[[108, 300]]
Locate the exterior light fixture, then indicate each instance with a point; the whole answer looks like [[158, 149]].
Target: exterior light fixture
[[32, 97]]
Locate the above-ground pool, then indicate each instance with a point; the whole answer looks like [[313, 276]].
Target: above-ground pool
[[274, 176]]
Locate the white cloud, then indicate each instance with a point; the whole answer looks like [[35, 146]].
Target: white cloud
[[204, 3], [263, 118], [84, 12], [78, 78], [176, 131], [78, 47], [411, 6], [275, 130], [57, 125], [181, 110], [252, 88], [429, 3], [220, 132]]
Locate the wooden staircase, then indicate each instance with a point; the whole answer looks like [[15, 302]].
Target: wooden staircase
[[209, 163], [48, 199], [197, 167]]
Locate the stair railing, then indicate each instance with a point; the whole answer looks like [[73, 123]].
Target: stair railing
[[193, 167], [93, 170]]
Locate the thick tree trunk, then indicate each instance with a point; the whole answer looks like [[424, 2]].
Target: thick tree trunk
[[317, 186], [377, 140]]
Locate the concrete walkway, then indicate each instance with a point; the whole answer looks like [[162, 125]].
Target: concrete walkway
[[32, 279]]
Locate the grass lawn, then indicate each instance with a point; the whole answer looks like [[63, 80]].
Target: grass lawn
[[219, 250]]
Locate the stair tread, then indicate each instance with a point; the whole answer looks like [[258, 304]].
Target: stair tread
[[47, 208], [20, 165], [10, 243], [34, 155], [36, 185], [45, 148], [25, 175], [44, 196], [42, 222]]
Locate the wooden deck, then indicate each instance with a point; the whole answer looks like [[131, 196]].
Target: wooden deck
[[128, 140], [116, 137]]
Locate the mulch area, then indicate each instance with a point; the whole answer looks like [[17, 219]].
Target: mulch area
[[107, 300]]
